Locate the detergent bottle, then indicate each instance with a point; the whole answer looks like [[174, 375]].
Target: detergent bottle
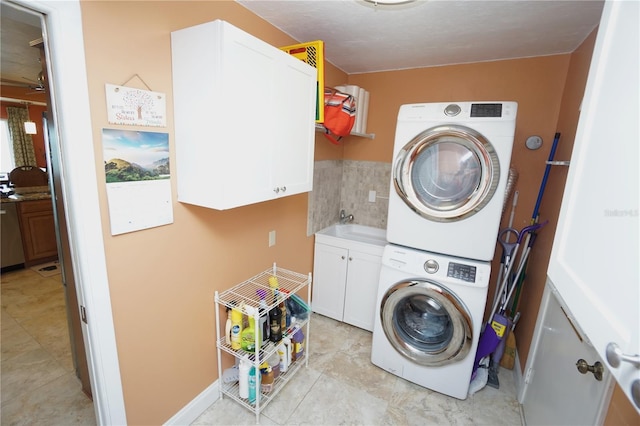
[[236, 327], [243, 381], [227, 328], [248, 338]]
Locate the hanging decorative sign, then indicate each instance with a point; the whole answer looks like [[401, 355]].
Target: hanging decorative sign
[[136, 107]]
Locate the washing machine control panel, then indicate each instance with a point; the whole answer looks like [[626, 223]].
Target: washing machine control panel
[[462, 272]]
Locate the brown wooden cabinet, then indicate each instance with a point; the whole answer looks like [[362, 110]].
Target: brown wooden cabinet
[[38, 231]]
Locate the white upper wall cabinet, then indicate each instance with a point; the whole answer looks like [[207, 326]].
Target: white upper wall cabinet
[[244, 118]]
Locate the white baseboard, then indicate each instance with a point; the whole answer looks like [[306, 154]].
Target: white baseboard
[[196, 406]]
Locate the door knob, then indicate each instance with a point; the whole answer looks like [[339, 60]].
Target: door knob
[[615, 356], [597, 369]]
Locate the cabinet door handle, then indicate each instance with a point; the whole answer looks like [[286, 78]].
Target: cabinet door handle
[[350, 259], [283, 189], [276, 190], [342, 257]]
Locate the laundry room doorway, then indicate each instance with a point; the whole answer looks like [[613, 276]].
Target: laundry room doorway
[[73, 129]]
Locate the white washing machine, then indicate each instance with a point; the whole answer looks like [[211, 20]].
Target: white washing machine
[[429, 314], [450, 169]]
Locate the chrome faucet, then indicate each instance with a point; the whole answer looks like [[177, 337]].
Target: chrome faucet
[[344, 218]]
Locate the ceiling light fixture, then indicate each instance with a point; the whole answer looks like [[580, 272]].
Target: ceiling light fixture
[[389, 2]]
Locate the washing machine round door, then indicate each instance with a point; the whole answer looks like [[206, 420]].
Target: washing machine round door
[[447, 173], [426, 323]]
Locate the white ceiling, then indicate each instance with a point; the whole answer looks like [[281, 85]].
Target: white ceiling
[[19, 62], [360, 37]]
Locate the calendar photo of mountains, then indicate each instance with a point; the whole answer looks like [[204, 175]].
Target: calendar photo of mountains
[[135, 156]]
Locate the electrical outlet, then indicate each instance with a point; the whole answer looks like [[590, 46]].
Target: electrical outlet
[[372, 196], [272, 238]]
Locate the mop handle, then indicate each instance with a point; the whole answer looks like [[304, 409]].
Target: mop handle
[[546, 176]]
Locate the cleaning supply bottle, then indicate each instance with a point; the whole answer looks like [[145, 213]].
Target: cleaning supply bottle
[[284, 350], [227, 328], [264, 316], [274, 363], [283, 320], [254, 384], [275, 287], [243, 381], [275, 323], [248, 339], [297, 350], [266, 380], [236, 327]]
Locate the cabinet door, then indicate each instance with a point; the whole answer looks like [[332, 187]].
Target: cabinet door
[[363, 276], [244, 113], [38, 231], [292, 162], [329, 275]]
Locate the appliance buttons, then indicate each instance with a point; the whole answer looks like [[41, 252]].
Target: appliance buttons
[[431, 266], [452, 110]]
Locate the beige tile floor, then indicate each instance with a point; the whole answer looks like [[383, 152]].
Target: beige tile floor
[[341, 386], [38, 382]]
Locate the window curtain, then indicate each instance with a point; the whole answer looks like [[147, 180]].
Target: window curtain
[[23, 152]]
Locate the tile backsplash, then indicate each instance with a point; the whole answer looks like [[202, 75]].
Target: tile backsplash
[[345, 184]]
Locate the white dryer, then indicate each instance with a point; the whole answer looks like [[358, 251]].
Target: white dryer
[[450, 169], [429, 314]]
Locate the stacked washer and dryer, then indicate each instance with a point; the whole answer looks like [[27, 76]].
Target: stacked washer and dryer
[[449, 174]]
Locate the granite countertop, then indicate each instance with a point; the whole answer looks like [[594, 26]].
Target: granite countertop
[[28, 193]]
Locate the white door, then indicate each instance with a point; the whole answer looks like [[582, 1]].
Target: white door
[[557, 393], [594, 261]]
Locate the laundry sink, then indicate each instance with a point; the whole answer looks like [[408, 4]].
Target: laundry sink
[[354, 232]]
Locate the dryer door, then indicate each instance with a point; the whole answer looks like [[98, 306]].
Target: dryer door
[[426, 323], [447, 173]]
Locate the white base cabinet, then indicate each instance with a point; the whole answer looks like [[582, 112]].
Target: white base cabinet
[[245, 294], [244, 118], [346, 275]]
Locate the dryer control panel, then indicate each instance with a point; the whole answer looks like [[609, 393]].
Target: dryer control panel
[[462, 272]]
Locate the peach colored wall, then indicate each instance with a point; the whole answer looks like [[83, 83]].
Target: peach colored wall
[[162, 280]]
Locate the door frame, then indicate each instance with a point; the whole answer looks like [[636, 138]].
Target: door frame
[[63, 37]]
